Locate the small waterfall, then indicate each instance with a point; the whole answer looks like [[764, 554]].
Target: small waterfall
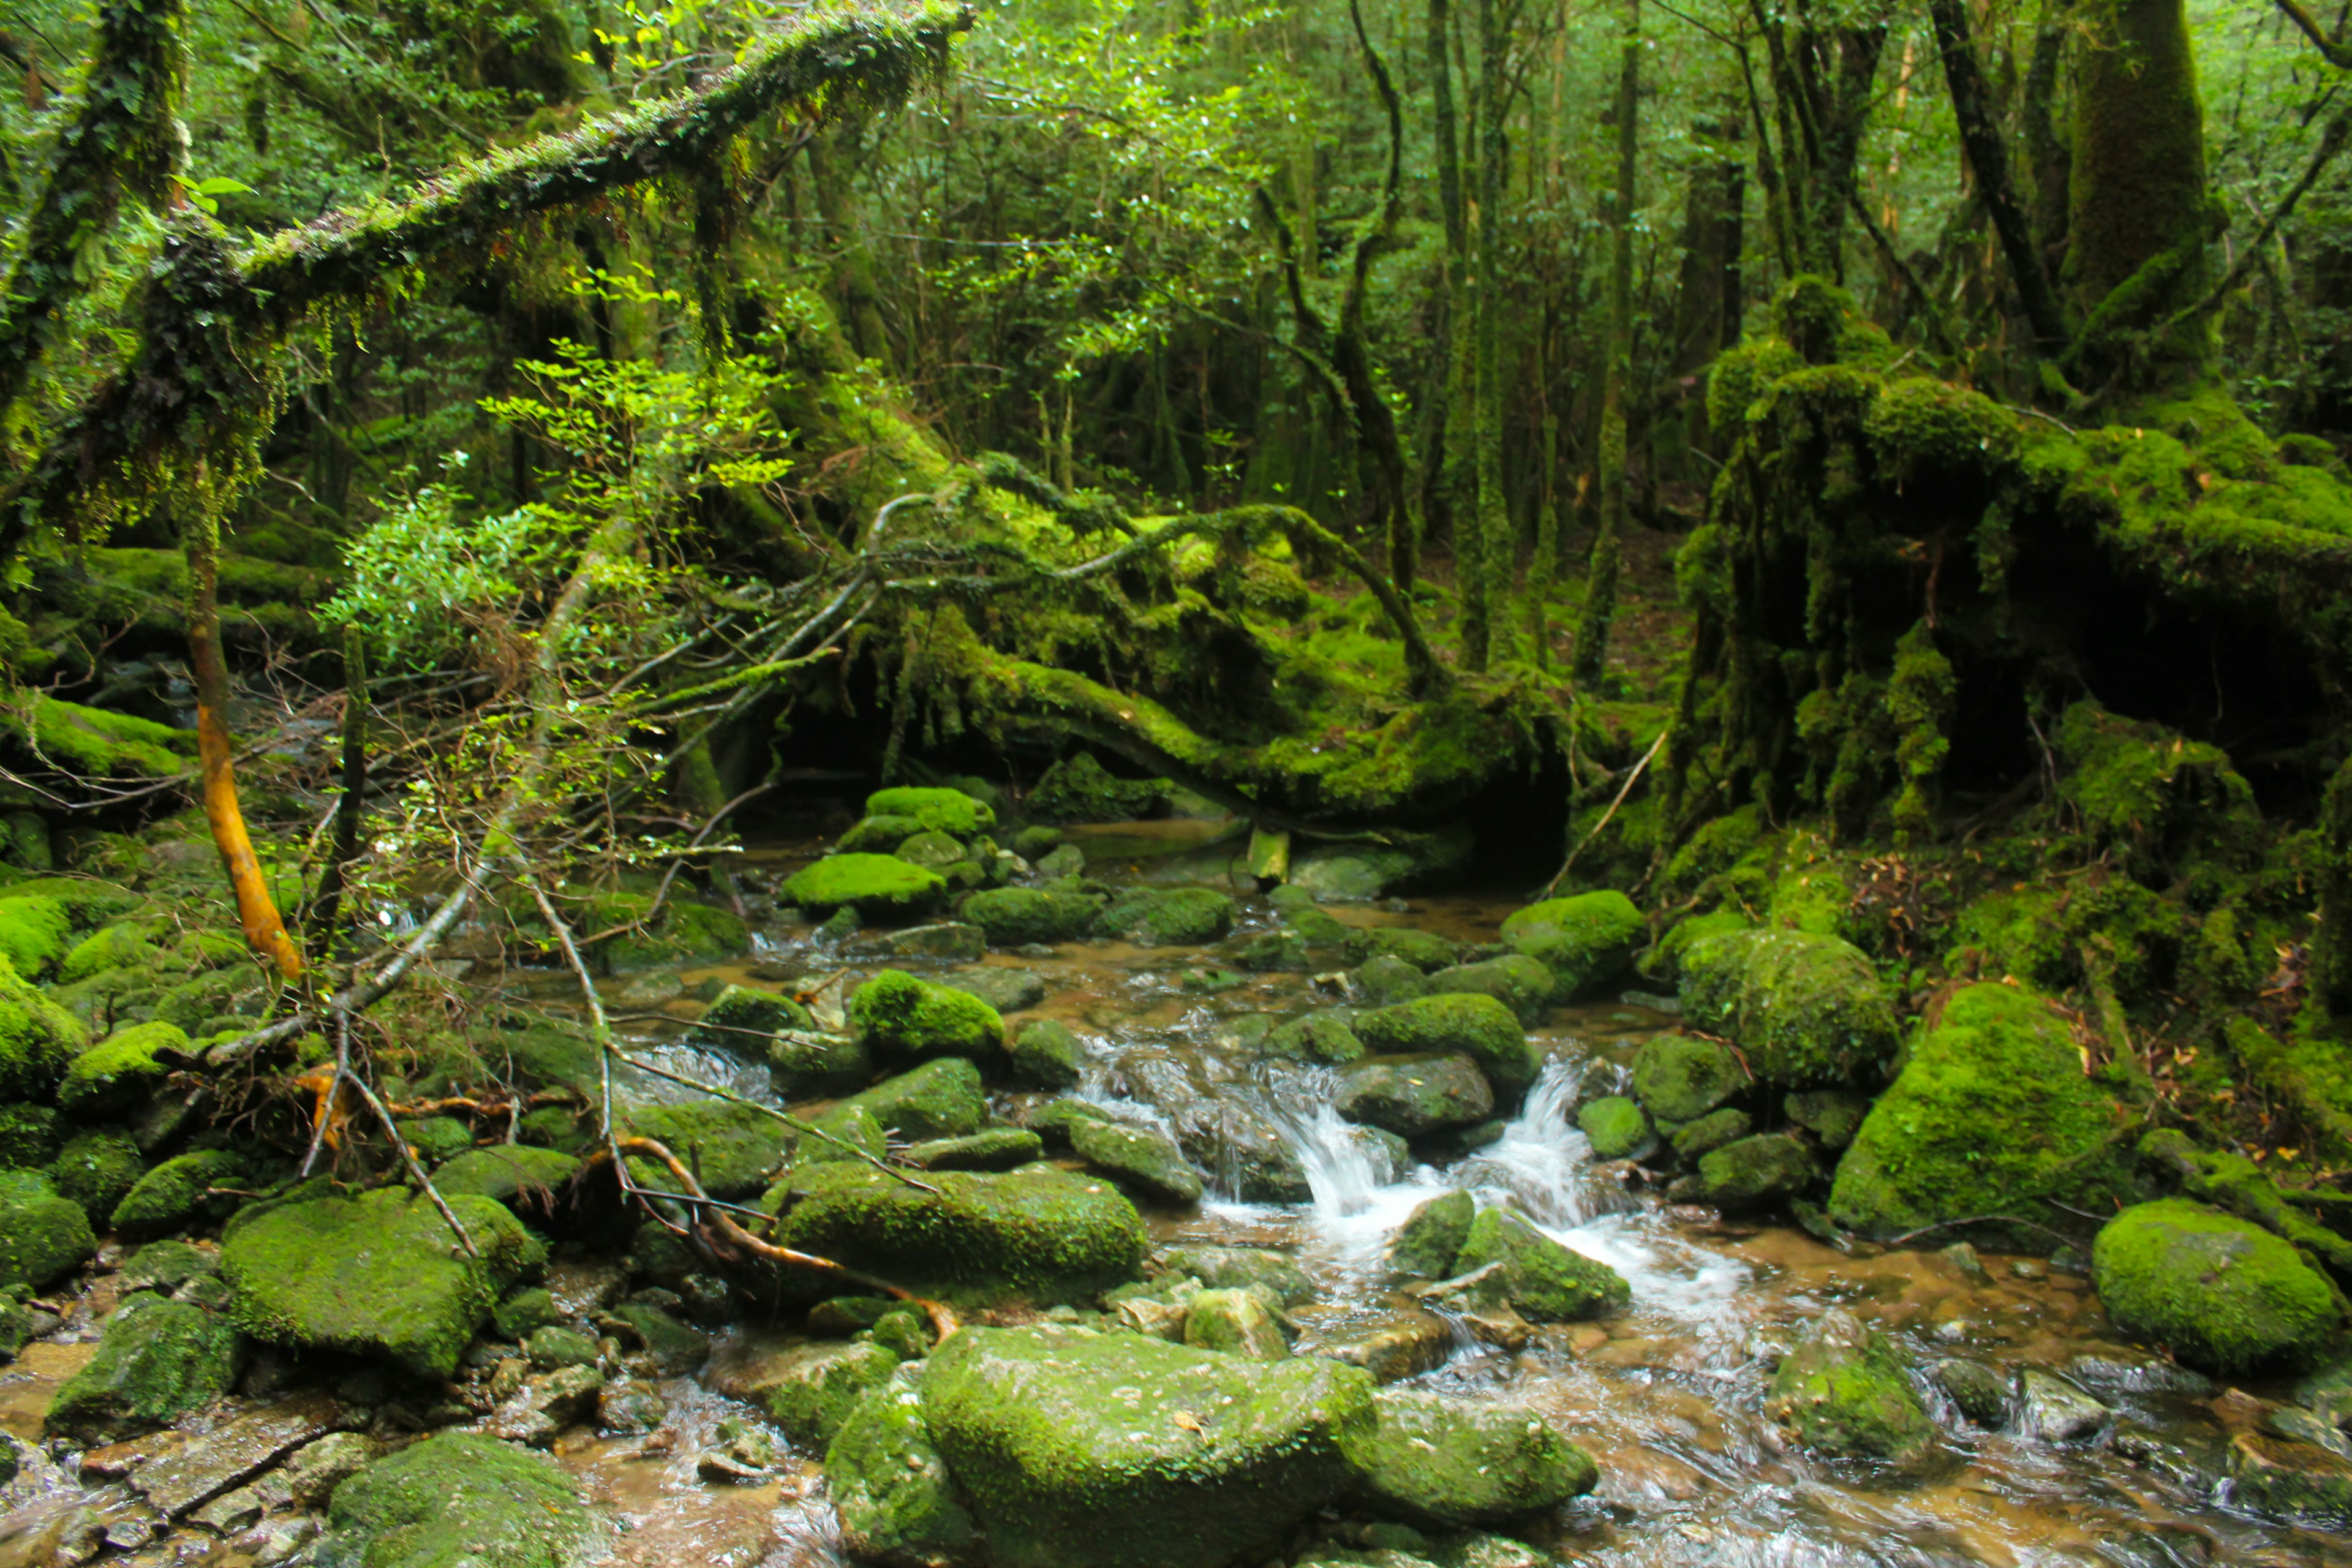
[[1542, 1159], [1346, 1169]]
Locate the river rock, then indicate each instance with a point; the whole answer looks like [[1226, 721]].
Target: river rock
[[1523, 984], [545, 1406], [1410, 1096], [1448, 1463], [1237, 1323], [1013, 917], [1545, 1281], [658, 1342], [2219, 1292], [1424, 951], [1167, 917], [939, 1100], [1751, 1173], [991, 1149], [2054, 1410], [1323, 1036], [1007, 990], [1831, 1115], [1252, 1159], [809, 1064], [897, 1015], [732, 1149], [950, 942], [1046, 1055], [877, 887], [1385, 980], [1089, 1450], [1476, 1026], [1239, 1269], [2300, 1481], [377, 1275], [807, 1390], [1405, 1344], [1616, 1127], [1841, 1392], [1693, 1141], [1980, 1392], [461, 1498], [742, 1020], [1680, 1078], [1805, 1009], [174, 1193], [1431, 1238], [43, 1236], [1587, 942], [525, 1179], [157, 1361], [1142, 1159], [891, 1490]]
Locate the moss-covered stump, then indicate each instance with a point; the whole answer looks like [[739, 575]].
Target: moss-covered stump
[[1410, 1096], [157, 1361], [525, 1179], [1449, 1463], [1143, 1160], [733, 1149], [380, 1275], [1167, 917], [1521, 984], [1543, 1280], [2220, 1293], [461, 1499], [1615, 1126], [1679, 1078], [1425, 1245], [1010, 917], [891, 1486], [1474, 1026], [1841, 1393], [116, 1073], [1079, 1449], [1804, 1009], [1587, 942], [175, 1194], [1992, 1115], [897, 1015], [43, 1237], [878, 886], [941, 1099], [1038, 1235], [38, 1038]]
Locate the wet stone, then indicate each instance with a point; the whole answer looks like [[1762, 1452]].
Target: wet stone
[[1980, 1392], [1240, 1267], [1406, 1345], [1142, 1158], [1410, 1096], [235, 1451], [631, 1407], [2054, 1410], [1007, 990], [996, 1149], [1237, 1323], [547, 1404]]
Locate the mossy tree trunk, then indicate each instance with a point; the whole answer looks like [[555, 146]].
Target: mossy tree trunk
[[1480, 545], [1591, 659]]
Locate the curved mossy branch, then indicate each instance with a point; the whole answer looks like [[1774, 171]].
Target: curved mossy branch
[[199, 390], [124, 138]]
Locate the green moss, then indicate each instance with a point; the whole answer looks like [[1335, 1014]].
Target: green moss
[[1694, 1140], [733, 1149], [1992, 1115], [523, 1178], [2020, 934], [34, 933], [95, 742], [172, 1193], [97, 1170], [1046, 1055], [1079, 789], [28, 1136], [948, 810], [810, 1391], [942, 1098], [1804, 1009], [113, 1074], [2219, 1292], [1426, 951], [1414, 1096], [2163, 802], [1739, 377], [1586, 941], [459, 1500], [157, 1361], [43, 1237], [1431, 1238], [1615, 1126], [1547, 1282], [1086, 1450], [878, 886], [1665, 961], [1142, 1159], [1477, 1027], [1751, 1172], [37, 1039], [1010, 917], [896, 1013], [123, 945], [435, 1137], [1322, 1037], [740, 1014], [1522, 983], [1841, 1393], [379, 1275], [878, 835], [1451, 1463], [891, 1489], [1169, 917]]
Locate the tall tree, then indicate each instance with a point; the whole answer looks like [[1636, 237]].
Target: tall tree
[[1591, 660]]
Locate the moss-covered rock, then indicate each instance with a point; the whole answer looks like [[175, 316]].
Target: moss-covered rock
[[1078, 788], [1046, 1055], [1410, 1096], [461, 1501], [990, 1149], [897, 1015], [1234, 1322], [1841, 1393], [1680, 1078], [1385, 980], [942, 1098], [891, 1489], [1089, 1450], [742, 1020], [1992, 1115], [948, 810], [37, 1039], [734, 1150], [809, 1390], [29, 1136], [35, 932], [1431, 1238], [173, 1194], [878, 835], [1143, 1160], [2217, 1291], [1694, 1140], [378, 1275], [807, 1064], [1450, 1463], [1010, 917], [1615, 1126], [97, 1170], [1751, 1173], [157, 1361], [123, 945], [1167, 917], [1523, 984], [2162, 801], [878, 886], [433, 1139], [1477, 1027], [1038, 1235], [43, 1237], [1831, 1115], [1587, 942], [1322, 1037], [1545, 1281], [523, 1178], [166, 1265], [1426, 951], [1239, 1269], [117, 1072], [1805, 1009]]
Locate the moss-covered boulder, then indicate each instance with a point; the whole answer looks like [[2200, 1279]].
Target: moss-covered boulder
[[1143, 1160], [1011, 917], [1450, 1463], [97, 1170], [116, 1073], [157, 1361], [1842, 1393], [1046, 1055], [126, 944], [1322, 1037], [1079, 1449], [1681, 1077], [35, 932], [1693, 1141], [734, 1150], [897, 1015], [29, 1136], [461, 1501], [1412, 1096], [948, 810], [1425, 1245], [1523, 984], [43, 1237], [1385, 979], [1804, 1009], [1477, 1027], [2219, 1292], [878, 886], [1234, 1322], [990, 1149], [1616, 1127], [1036, 1235], [1078, 788], [1831, 1115], [1753, 1172], [1424, 951], [174, 1193], [1167, 917], [891, 1489], [379, 1275], [878, 835], [37, 1039], [1545, 1281], [1587, 942], [525, 1179], [942, 1098], [742, 1020], [808, 1390], [1240, 1269], [1992, 1115]]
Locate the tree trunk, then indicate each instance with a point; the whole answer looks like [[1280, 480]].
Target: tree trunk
[[1983, 143], [1591, 660]]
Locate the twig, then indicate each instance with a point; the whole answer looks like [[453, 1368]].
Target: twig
[[409, 1157], [1631, 779], [1909, 1236]]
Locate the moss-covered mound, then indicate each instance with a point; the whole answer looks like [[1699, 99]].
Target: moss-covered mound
[[461, 1499], [878, 886], [1167, 917], [97, 741], [174, 1193], [942, 1098], [1037, 1235], [1010, 917], [2219, 1292], [948, 810], [123, 945], [43, 1237], [1804, 1009], [379, 1275], [37, 1039], [1842, 1393], [34, 933], [116, 1072], [157, 1361], [743, 1019], [1089, 1450], [1474, 1026], [1992, 1115], [897, 1015], [1587, 942], [1544, 1281], [1450, 1463]]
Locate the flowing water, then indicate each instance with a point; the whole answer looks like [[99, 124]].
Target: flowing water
[[1665, 1395]]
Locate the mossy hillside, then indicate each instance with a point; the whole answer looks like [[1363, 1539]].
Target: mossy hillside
[[1453, 1463], [116, 1072], [1472, 1024], [2218, 1291], [175, 1193], [878, 886], [38, 1038], [1586, 941], [157, 1361], [460, 1498], [1803, 1009], [379, 1275], [1079, 1449], [897, 1015], [1991, 1115]]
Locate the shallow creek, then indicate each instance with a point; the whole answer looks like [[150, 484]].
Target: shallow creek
[[1666, 1395]]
